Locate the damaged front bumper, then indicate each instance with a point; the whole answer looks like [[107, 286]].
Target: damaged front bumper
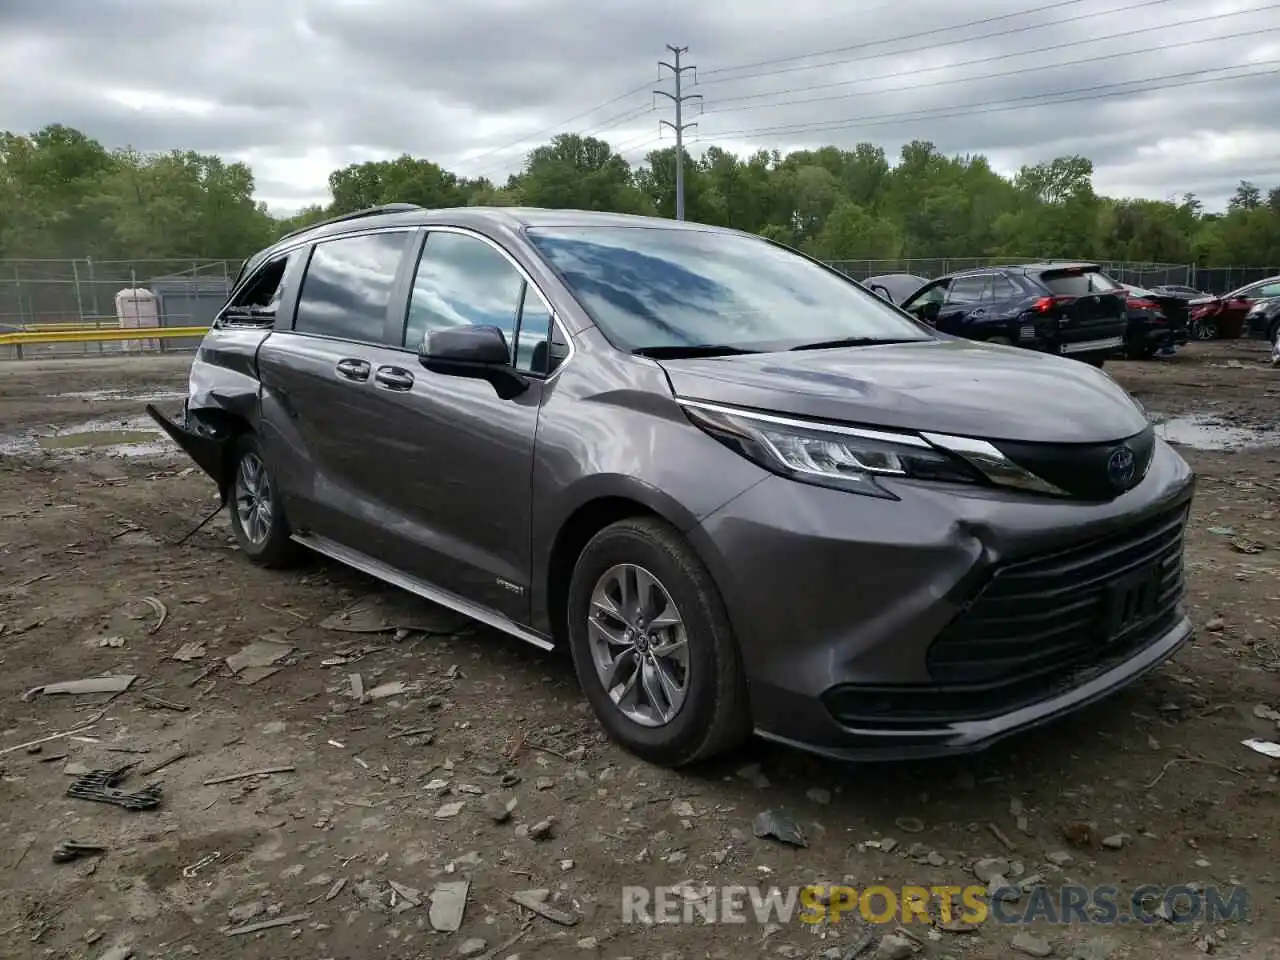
[[204, 440]]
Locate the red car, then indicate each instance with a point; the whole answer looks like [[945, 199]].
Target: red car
[[1223, 317]]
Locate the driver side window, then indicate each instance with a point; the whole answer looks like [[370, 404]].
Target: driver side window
[[462, 280]]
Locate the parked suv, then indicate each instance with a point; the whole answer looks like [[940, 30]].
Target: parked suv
[[1073, 309], [746, 492]]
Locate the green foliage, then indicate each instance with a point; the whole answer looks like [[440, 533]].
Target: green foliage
[[63, 194]]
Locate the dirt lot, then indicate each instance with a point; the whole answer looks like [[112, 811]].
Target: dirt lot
[[92, 583]]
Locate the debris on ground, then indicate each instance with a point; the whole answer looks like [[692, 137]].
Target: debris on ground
[[267, 924], [778, 826], [69, 850], [258, 660], [158, 765], [535, 901], [248, 774], [1265, 747], [448, 905], [100, 787], [192, 650], [75, 688]]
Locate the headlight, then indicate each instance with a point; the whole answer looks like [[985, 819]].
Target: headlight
[[846, 458]]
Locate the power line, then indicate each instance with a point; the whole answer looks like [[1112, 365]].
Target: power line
[[679, 126], [556, 127], [926, 33], [996, 106], [1051, 48], [1022, 71]]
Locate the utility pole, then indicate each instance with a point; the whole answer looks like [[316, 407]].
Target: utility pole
[[679, 126]]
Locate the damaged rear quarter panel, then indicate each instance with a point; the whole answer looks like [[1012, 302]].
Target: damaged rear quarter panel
[[222, 400], [224, 374]]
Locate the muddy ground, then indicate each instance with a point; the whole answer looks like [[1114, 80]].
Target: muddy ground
[[92, 582]]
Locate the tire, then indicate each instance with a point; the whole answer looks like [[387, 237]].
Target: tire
[[1205, 329], [264, 539], [713, 715]]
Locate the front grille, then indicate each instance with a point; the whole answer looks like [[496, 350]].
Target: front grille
[[1068, 611]]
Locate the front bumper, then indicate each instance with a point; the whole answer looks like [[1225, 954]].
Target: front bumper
[[948, 620]]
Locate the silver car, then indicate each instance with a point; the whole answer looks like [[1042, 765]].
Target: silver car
[[744, 491]]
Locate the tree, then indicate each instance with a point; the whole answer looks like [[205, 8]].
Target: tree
[[63, 194]]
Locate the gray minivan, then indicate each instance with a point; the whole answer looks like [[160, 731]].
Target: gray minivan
[[745, 492]]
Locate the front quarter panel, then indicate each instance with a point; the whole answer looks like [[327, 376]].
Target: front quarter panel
[[610, 428]]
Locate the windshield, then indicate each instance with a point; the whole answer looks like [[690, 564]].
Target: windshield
[[653, 287]]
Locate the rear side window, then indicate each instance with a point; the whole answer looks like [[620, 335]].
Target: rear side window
[[967, 289], [347, 287], [1078, 283], [1002, 288]]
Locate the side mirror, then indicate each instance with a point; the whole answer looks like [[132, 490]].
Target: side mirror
[[473, 351], [467, 345], [881, 292]]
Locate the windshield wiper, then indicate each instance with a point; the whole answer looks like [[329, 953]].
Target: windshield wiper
[[678, 352], [854, 342]]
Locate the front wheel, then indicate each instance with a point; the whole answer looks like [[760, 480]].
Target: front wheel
[[1206, 329], [257, 515], [652, 645]]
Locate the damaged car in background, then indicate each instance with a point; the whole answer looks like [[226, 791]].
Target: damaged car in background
[[746, 493]]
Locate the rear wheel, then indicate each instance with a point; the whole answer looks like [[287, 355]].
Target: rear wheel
[[257, 516], [652, 645]]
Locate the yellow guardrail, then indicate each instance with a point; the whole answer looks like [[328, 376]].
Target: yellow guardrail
[[75, 325], [74, 334]]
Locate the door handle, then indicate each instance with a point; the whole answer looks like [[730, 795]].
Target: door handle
[[351, 369], [394, 378]]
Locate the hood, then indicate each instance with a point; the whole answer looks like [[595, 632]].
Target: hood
[[944, 386]]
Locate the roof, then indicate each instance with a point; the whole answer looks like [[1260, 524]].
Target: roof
[[508, 218], [404, 214], [1038, 266]]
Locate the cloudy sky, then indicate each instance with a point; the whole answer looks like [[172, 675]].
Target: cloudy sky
[[1165, 96]]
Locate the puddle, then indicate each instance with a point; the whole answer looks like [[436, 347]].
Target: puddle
[[1209, 433], [103, 438], [139, 395], [135, 437]]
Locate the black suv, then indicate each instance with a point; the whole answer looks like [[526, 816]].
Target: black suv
[[1073, 309]]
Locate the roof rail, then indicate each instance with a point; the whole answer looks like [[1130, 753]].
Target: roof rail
[[356, 215]]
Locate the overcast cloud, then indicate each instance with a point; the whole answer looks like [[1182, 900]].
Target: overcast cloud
[[299, 87]]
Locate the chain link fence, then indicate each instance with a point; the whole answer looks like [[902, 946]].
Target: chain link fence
[[41, 295]]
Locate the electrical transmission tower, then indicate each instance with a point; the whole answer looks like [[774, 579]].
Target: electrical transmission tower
[[679, 126]]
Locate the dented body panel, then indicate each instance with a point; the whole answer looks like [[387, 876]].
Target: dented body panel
[[222, 400]]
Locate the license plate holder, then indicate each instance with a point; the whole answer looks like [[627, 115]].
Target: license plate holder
[[1131, 601]]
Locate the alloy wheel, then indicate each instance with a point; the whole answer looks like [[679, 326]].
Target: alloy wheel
[[254, 505], [639, 645]]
